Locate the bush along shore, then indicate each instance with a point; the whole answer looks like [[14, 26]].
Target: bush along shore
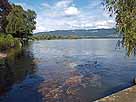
[[8, 41]]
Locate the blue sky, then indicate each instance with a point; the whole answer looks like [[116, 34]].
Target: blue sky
[[68, 14]]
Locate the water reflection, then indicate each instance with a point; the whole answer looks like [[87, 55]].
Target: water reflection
[[12, 70]]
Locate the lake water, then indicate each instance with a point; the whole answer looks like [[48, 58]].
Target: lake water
[[66, 71]]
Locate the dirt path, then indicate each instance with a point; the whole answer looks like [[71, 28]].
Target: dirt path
[[127, 95]]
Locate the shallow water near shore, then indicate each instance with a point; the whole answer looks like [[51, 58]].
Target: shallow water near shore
[[66, 71]]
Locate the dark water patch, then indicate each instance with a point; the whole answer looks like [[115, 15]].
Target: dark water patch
[[17, 80]]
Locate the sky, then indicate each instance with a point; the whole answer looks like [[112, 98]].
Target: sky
[[68, 14]]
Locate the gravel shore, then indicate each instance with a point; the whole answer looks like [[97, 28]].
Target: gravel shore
[[126, 95]]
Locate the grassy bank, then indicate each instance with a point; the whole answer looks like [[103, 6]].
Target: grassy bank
[[7, 41]]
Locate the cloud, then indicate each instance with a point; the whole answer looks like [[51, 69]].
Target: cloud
[[66, 14], [105, 24], [74, 22], [46, 5], [63, 4], [71, 11]]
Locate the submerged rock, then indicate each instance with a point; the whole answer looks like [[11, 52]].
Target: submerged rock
[[72, 91], [35, 61], [51, 91], [73, 81], [55, 93]]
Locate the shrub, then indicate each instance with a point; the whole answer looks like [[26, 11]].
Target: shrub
[[7, 41]]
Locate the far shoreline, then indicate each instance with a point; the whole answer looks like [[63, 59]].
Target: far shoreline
[[81, 38]]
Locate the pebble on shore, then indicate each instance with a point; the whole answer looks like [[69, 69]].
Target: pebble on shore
[[3, 55]]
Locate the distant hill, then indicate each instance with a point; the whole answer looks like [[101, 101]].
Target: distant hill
[[84, 33]]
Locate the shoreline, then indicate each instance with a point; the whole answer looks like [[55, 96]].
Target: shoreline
[[126, 95], [76, 39]]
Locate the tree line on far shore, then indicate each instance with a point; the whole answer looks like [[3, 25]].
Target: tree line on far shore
[[53, 37]]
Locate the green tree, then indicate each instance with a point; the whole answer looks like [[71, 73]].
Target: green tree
[[5, 8], [125, 12], [20, 23], [31, 16]]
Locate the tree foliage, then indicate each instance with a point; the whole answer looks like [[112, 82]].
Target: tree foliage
[[125, 11], [20, 23], [5, 8]]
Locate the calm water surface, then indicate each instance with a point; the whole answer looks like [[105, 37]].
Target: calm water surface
[[66, 71]]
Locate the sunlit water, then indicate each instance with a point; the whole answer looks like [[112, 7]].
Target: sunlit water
[[66, 71]]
